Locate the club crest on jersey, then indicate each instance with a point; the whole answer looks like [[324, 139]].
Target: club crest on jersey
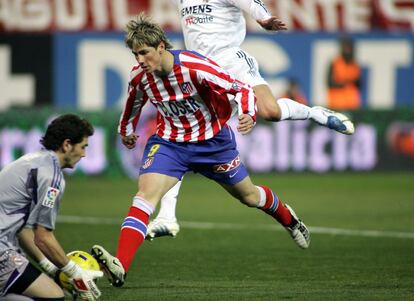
[[222, 168], [50, 197], [186, 88], [148, 162], [236, 86]]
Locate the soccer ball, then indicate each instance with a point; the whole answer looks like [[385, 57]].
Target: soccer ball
[[84, 260]]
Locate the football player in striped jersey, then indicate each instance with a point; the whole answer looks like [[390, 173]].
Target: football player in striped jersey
[[195, 98], [217, 28]]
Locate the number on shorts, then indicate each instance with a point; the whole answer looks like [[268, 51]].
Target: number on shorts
[[153, 150]]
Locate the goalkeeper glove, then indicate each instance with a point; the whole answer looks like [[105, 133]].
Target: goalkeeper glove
[[83, 281]]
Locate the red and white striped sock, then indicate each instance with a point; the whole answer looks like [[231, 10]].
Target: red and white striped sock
[[133, 231], [270, 203]]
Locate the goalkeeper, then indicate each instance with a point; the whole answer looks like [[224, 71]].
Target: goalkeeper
[[30, 193]]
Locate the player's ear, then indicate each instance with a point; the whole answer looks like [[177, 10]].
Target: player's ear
[[66, 145], [161, 47]]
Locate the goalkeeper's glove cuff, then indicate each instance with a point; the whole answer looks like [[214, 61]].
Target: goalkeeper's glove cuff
[[48, 267], [72, 270]]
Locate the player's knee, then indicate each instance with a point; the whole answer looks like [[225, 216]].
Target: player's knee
[[44, 287], [54, 291]]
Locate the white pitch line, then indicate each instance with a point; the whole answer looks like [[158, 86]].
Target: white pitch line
[[69, 219]]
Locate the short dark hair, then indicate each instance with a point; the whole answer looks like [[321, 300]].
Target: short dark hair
[[68, 126]]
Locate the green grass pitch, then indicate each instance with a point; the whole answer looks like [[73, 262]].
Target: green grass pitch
[[226, 251]]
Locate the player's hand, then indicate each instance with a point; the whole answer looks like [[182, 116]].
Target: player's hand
[[85, 285], [245, 125], [129, 141], [83, 281], [272, 24]]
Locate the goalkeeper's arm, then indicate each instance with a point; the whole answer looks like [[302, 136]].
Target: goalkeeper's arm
[[26, 240], [41, 244]]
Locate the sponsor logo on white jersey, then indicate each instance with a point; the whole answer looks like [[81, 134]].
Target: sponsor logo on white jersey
[[197, 14]]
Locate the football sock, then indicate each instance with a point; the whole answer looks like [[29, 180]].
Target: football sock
[[270, 203], [290, 109], [133, 231], [169, 202]]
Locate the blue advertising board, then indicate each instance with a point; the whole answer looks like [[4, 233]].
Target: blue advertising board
[[91, 69]]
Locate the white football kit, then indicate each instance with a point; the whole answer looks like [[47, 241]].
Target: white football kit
[[217, 28]]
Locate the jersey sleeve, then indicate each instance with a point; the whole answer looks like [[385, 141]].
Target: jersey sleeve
[[50, 189], [133, 106], [255, 8], [221, 82]]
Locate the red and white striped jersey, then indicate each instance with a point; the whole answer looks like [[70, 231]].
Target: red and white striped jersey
[[194, 101]]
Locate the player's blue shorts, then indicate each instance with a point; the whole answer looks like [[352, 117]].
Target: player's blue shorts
[[216, 158]]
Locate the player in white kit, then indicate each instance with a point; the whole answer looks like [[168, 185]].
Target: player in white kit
[[217, 28], [31, 189]]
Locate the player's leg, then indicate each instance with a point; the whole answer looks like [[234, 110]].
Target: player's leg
[[166, 222], [152, 186], [44, 288], [227, 169], [245, 68], [21, 278], [14, 297], [160, 171], [287, 109], [265, 199]]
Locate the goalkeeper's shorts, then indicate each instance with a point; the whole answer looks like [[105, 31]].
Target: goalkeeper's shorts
[[16, 273]]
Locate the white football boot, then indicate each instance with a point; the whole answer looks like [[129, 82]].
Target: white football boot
[[111, 265], [299, 232], [162, 227], [337, 121]]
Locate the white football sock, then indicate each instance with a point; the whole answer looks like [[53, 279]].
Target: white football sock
[[293, 110], [169, 202]]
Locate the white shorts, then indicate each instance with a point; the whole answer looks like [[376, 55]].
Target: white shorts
[[241, 65], [12, 266]]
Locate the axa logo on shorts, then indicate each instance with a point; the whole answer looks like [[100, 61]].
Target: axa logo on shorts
[[226, 167]]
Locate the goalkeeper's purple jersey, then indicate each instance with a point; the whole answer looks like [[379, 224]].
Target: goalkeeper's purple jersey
[[30, 192]]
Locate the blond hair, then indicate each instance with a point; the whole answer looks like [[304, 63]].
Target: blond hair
[[142, 31]]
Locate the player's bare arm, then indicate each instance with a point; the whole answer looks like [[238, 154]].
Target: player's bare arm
[[129, 141], [26, 240], [272, 24], [45, 240], [245, 125]]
